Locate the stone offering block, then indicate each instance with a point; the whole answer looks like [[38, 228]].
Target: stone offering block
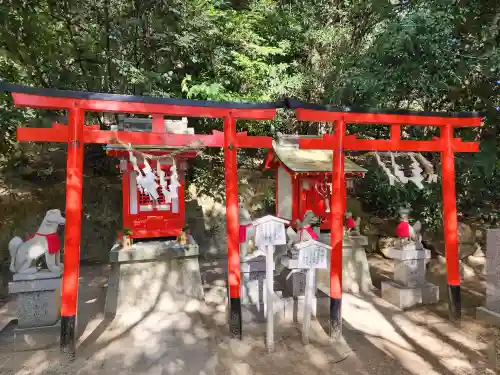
[[410, 272], [295, 285], [153, 276], [408, 253], [406, 297], [38, 298], [356, 275]]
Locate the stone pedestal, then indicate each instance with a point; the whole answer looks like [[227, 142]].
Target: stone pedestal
[[295, 285], [356, 275], [409, 287], [294, 291], [253, 291], [153, 276], [38, 298], [491, 311]]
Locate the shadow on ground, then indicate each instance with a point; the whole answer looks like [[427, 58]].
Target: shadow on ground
[[382, 340]]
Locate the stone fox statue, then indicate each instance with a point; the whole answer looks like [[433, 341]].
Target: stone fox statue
[[45, 242]]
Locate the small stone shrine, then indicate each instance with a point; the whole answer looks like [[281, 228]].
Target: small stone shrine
[[409, 287]]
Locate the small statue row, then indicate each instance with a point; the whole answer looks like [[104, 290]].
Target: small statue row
[[308, 229]]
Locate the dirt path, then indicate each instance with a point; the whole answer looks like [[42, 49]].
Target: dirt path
[[379, 339]]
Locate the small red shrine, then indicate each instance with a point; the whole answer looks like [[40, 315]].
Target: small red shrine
[[303, 179], [145, 217]]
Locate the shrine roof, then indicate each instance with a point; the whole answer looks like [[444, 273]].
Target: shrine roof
[[300, 160]]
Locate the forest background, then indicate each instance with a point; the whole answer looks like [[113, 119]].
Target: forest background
[[430, 55]]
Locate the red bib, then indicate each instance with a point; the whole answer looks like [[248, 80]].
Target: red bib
[[243, 232], [309, 230], [403, 230], [53, 241], [350, 223]]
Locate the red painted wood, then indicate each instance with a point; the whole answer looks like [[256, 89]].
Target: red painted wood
[[385, 119], [74, 184], [295, 198], [337, 214], [121, 153], [126, 198], [396, 133], [158, 123], [351, 143], [232, 218], [42, 134], [153, 139], [58, 133], [49, 102], [254, 141], [450, 223]]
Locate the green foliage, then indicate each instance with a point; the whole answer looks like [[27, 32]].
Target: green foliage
[[425, 55]]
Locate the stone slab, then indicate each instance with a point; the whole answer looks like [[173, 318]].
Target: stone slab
[[13, 338], [40, 275], [347, 241], [38, 309], [398, 254], [406, 297], [356, 276], [489, 316], [152, 250], [410, 272], [289, 262], [35, 285], [257, 264], [492, 269], [295, 285], [164, 285], [355, 241]]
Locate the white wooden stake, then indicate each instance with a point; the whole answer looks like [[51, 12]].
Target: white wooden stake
[[270, 298], [269, 232], [309, 295]]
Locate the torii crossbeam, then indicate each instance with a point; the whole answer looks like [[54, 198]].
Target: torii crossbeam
[[76, 134], [339, 142]]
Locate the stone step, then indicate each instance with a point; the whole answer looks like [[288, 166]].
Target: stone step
[[405, 297]]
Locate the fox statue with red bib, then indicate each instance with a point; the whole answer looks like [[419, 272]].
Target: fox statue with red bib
[[407, 234], [44, 243]]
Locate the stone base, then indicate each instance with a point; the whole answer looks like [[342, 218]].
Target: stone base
[[253, 279], [145, 279], [13, 338], [406, 297], [294, 308], [256, 313], [38, 299], [408, 252], [356, 275], [490, 316]]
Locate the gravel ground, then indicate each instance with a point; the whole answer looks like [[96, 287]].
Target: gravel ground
[[379, 339]]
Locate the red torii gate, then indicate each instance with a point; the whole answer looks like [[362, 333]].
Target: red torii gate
[[76, 134], [446, 144]]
